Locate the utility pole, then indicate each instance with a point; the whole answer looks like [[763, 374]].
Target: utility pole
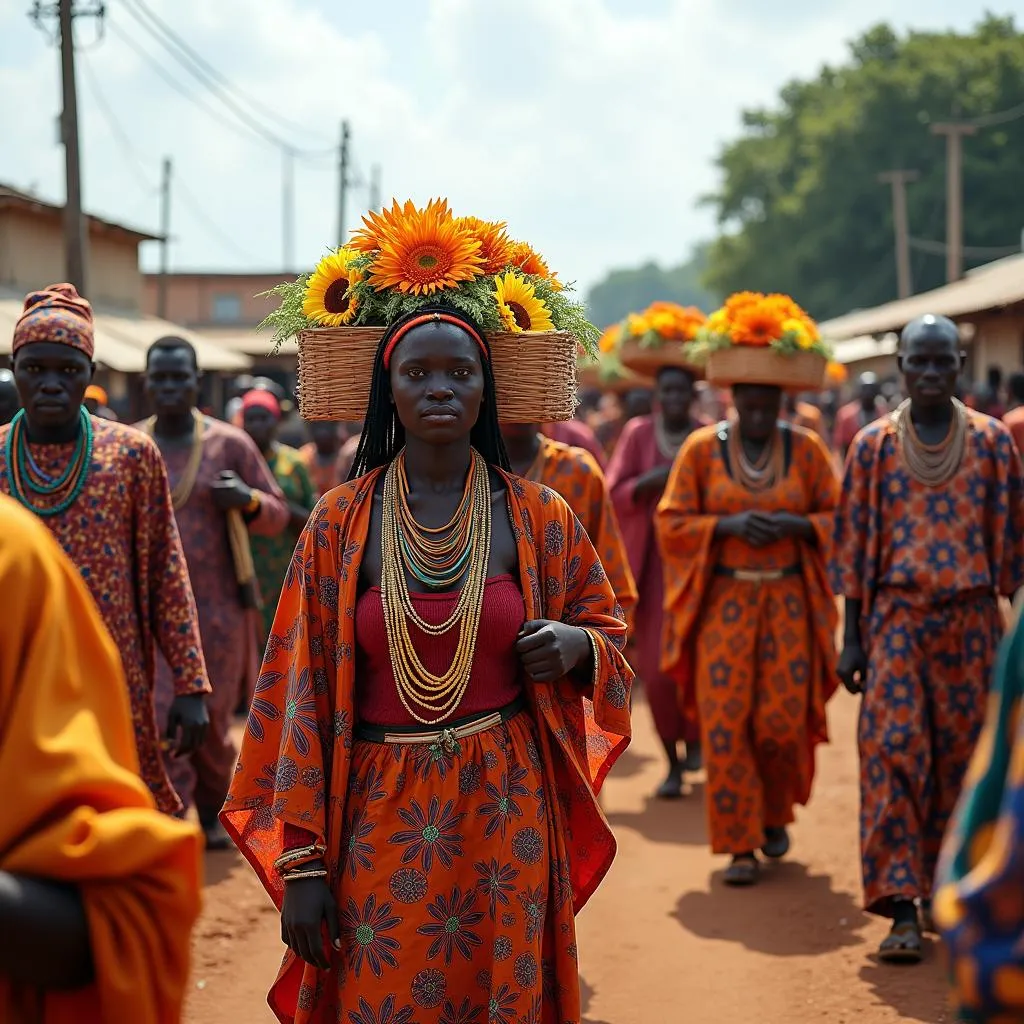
[[288, 207], [165, 240], [899, 181], [343, 181], [375, 198], [76, 235], [954, 133]]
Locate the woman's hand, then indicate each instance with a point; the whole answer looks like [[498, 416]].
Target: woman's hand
[[652, 483], [550, 650], [788, 524], [758, 529], [308, 906], [853, 667]]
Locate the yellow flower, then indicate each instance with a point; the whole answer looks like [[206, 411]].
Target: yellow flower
[[718, 322], [519, 306], [425, 251], [798, 328], [329, 300], [637, 325]]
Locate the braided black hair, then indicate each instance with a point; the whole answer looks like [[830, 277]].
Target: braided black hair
[[383, 434]]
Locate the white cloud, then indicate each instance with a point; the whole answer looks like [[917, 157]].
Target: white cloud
[[590, 125]]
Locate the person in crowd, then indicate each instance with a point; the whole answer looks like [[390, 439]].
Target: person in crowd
[[261, 414], [928, 535], [98, 889], [987, 398], [97, 403], [222, 492], [102, 490], [852, 417], [322, 455], [443, 693], [9, 401], [804, 415], [1014, 416], [575, 475], [577, 434], [637, 476], [745, 529], [981, 871]]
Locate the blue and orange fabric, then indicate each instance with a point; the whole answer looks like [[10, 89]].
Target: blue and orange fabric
[[928, 565], [122, 535], [981, 874], [301, 768], [576, 476], [761, 654], [74, 810]]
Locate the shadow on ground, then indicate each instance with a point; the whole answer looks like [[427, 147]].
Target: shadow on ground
[[668, 821], [915, 992], [790, 913], [586, 998], [220, 865]]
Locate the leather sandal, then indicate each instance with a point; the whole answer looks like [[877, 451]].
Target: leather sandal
[[743, 871], [902, 945], [776, 843]]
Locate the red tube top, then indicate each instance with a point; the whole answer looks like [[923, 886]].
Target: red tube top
[[495, 680]]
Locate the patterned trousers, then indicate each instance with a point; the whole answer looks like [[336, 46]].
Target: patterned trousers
[[929, 671], [753, 677]]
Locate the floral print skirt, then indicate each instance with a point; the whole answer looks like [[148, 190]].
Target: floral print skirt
[[447, 908]]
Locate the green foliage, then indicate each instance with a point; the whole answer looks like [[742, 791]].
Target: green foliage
[[800, 203], [288, 319], [627, 291]]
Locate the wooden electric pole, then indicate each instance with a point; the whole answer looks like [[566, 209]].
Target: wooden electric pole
[[899, 180], [165, 239], [375, 197], [343, 179], [76, 235], [954, 133]]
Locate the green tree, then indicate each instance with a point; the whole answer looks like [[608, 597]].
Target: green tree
[[628, 291], [800, 205]]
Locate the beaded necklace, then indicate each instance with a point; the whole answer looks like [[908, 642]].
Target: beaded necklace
[[27, 481], [669, 441], [765, 471], [470, 545], [931, 464]]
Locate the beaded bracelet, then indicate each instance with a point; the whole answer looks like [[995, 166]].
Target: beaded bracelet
[[301, 853], [291, 876]]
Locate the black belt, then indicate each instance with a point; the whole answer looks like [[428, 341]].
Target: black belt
[[758, 575], [446, 733]]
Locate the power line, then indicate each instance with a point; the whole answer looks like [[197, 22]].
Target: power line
[[979, 251], [212, 228], [999, 117]]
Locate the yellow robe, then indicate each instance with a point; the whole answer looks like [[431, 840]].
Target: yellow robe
[[74, 809]]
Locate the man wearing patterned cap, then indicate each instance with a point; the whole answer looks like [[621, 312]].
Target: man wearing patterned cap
[[102, 489]]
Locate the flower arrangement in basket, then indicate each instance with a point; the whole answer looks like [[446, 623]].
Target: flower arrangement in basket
[[645, 342], [405, 258], [762, 339], [607, 373]]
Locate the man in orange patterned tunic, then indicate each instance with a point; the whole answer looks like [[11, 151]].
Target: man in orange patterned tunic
[[749, 618], [102, 489], [577, 477], [929, 533]]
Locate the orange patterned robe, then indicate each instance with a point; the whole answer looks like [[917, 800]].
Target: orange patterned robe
[[760, 654], [576, 476], [414, 862]]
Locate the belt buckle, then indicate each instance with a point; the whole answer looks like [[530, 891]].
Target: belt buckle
[[448, 742]]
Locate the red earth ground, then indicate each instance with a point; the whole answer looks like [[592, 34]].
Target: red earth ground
[[663, 940]]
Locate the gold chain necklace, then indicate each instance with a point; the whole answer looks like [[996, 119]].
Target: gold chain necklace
[[763, 473], [931, 464], [439, 695], [187, 482]]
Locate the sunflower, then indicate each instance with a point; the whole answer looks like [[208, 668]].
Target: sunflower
[[495, 245], [425, 251], [518, 305], [379, 226], [525, 258], [329, 300]]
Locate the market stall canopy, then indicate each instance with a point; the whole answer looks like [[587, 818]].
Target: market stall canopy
[[122, 339], [992, 286], [250, 342]]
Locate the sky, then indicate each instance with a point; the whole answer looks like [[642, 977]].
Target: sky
[[590, 126]]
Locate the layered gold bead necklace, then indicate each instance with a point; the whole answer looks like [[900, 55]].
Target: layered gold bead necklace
[[438, 558]]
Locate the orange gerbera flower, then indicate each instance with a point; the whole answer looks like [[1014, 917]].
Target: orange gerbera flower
[[426, 251], [609, 340], [380, 226], [495, 245], [757, 323], [674, 322], [526, 259]]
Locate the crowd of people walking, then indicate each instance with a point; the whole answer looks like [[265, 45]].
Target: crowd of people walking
[[431, 621]]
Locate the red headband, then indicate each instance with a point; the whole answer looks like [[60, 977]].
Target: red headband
[[428, 318]]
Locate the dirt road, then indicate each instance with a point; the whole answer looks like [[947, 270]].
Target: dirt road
[[663, 940]]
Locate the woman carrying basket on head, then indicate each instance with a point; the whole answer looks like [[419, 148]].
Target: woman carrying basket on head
[[444, 690], [745, 526]]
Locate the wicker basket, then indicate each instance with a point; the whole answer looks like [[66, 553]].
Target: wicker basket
[[647, 360], [745, 364], [535, 374], [590, 376]]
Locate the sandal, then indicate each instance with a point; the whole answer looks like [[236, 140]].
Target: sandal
[[744, 870], [776, 842], [902, 945]]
